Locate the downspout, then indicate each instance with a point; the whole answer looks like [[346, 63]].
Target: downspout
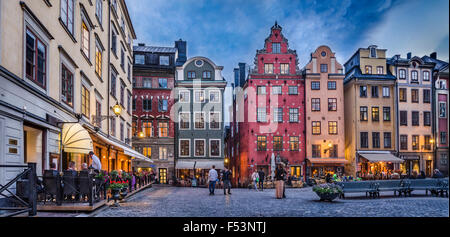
[[304, 127], [109, 79], [356, 133], [396, 119]]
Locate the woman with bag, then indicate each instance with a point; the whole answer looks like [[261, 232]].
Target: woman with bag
[[255, 178], [280, 175]]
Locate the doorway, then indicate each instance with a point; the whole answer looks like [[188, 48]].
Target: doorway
[[428, 168], [163, 175], [33, 148]]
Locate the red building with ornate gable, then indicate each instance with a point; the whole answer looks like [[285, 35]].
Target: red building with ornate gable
[[270, 117]]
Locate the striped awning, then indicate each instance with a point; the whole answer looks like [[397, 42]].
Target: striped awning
[[75, 139]]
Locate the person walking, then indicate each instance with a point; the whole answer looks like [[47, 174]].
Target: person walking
[[261, 175], [280, 176], [212, 177], [255, 178], [226, 178]]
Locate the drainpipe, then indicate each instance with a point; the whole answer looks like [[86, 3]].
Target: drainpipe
[[109, 68], [396, 119]]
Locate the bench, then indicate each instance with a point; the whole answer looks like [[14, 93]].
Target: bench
[[358, 187], [422, 184], [441, 188], [398, 186]]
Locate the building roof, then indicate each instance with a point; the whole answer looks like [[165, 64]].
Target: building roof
[[154, 49], [355, 72], [440, 65]]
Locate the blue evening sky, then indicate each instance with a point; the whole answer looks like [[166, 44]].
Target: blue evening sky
[[230, 31]]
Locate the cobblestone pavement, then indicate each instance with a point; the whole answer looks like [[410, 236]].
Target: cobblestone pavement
[[195, 202]]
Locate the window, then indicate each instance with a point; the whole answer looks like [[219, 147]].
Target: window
[[293, 143], [315, 104], [362, 91], [67, 10], [364, 139], [184, 96], [113, 83], [278, 115], [98, 113], [387, 140], [147, 151], [363, 113], [113, 126], [261, 143], [324, 68], [386, 113], [331, 85], [427, 118], [442, 110], [316, 127], [261, 115], [293, 90], [139, 59], [427, 145], [98, 61], [426, 75], [426, 96], [122, 93], [129, 102], [66, 86], [268, 68], [164, 60], [153, 58], [415, 118], [261, 90], [147, 82], [386, 92], [134, 104], [206, 75], [316, 151], [415, 95], [415, 142], [163, 105], [368, 69], [162, 83], [163, 129], [293, 115], [114, 41], [444, 159], [85, 39], [404, 118], [404, 142], [277, 143], [147, 128], [315, 85], [375, 139], [185, 121], [402, 95], [402, 74], [414, 77], [332, 104], [199, 119], [35, 59], [147, 104], [199, 96], [373, 52], [443, 136], [276, 90], [191, 75], [276, 48], [374, 91], [163, 153], [214, 147], [214, 120], [332, 128], [85, 101], [98, 10], [185, 147], [379, 70], [284, 67], [134, 128], [375, 114], [121, 131], [122, 58]]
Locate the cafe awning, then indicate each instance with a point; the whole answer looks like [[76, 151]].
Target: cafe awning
[[199, 164], [328, 160], [75, 139], [380, 157], [136, 155]]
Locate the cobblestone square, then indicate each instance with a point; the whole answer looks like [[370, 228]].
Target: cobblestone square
[[160, 201]]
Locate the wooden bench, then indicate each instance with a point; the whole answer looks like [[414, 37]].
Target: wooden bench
[[441, 188], [421, 184], [357, 187]]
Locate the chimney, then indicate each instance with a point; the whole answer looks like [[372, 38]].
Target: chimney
[[141, 44], [182, 52], [408, 55], [241, 74], [433, 55]]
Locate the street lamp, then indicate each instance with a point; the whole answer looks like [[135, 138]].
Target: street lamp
[[117, 109], [141, 134]]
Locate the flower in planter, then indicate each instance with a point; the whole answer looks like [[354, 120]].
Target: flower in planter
[[327, 188]]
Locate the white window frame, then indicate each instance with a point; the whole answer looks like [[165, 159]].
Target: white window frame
[[164, 149], [439, 109], [209, 120], [204, 147], [204, 121], [220, 147], [388, 91], [188, 97], [179, 120], [204, 95], [209, 96], [274, 91], [179, 147]]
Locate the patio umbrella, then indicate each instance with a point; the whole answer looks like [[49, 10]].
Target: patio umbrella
[[272, 166]]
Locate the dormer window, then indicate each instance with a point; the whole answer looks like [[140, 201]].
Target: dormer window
[[206, 75], [139, 59], [373, 52], [276, 48]]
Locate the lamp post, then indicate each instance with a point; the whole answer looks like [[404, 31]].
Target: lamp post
[[117, 109]]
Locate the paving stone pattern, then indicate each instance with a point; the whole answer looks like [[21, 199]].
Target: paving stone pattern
[[195, 202]]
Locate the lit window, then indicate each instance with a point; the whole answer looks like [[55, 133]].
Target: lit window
[[85, 39], [261, 143], [316, 127], [163, 129], [85, 101], [284, 68], [268, 68], [98, 61], [277, 143]]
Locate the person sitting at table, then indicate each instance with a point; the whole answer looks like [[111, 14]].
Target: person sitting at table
[[71, 166], [84, 166], [53, 166]]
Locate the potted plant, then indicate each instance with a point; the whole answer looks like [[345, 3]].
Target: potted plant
[[124, 189], [115, 187], [328, 191]]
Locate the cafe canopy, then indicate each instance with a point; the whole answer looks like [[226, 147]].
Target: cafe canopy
[[75, 139], [199, 164], [380, 157]]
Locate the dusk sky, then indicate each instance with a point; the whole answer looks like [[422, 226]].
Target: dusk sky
[[231, 31]]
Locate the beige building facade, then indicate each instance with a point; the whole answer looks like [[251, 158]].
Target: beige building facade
[[325, 128]]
